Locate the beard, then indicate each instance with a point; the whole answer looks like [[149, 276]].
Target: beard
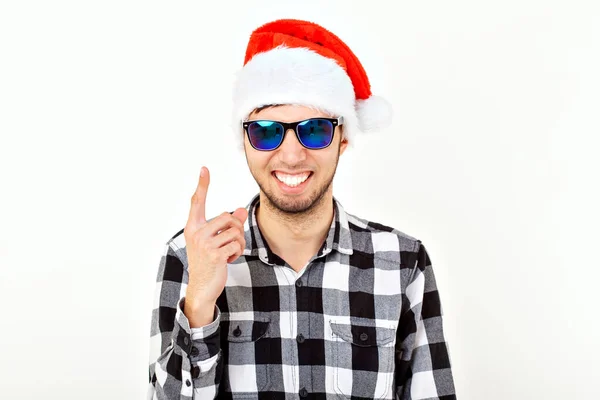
[[303, 204]]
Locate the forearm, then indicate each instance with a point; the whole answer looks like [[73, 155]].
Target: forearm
[[188, 366], [184, 360], [423, 369]]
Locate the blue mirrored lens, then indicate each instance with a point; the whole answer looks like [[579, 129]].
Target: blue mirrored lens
[[316, 133], [265, 135]]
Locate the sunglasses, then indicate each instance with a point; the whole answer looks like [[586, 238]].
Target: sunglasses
[[312, 133]]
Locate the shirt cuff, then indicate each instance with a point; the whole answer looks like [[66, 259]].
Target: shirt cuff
[[207, 330], [199, 344]]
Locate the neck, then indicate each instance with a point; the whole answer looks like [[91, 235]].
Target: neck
[[295, 236]]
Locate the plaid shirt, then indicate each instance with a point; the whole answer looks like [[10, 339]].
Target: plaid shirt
[[362, 319]]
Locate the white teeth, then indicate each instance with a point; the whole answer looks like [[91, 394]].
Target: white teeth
[[292, 180]]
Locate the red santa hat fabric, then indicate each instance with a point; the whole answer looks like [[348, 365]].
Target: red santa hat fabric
[[291, 61]]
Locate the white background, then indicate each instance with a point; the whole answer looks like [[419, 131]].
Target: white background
[[108, 109]]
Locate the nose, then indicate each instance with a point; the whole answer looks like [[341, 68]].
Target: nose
[[291, 150]]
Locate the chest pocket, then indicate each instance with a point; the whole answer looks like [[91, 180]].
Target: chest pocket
[[248, 357], [363, 360]]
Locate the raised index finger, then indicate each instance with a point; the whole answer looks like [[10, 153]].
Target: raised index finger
[[197, 215]]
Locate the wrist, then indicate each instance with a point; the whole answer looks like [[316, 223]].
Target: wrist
[[199, 312]]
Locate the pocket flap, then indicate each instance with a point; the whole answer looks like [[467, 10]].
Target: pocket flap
[[363, 335], [246, 330]]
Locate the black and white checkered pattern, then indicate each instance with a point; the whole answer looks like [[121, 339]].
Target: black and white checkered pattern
[[361, 320]]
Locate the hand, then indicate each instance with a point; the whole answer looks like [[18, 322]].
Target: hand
[[210, 247]]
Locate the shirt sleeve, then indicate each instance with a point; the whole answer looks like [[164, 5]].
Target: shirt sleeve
[[185, 362], [423, 369]]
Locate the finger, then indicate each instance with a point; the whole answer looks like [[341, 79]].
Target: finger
[[221, 223], [228, 235], [233, 257], [197, 216], [241, 214], [231, 249]]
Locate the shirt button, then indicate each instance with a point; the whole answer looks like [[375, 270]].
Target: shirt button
[[237, 332], [303, 392], [186, 340], [299, 283], [187, 382], [300, 338], [195, 351], [195, 372], [364, 336]]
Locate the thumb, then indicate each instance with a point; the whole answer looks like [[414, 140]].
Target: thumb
[[241, 214]]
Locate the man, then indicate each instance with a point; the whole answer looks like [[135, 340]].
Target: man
[[291, 296]]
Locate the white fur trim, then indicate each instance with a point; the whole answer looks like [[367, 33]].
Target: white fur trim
[[301, 76], [374, 113], [294, 76]]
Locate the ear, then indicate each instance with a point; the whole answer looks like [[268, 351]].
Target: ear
[[343, 145]]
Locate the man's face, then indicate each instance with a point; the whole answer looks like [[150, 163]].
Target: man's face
[[291, 158]]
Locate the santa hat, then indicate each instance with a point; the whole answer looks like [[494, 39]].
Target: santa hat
[[290, 61]]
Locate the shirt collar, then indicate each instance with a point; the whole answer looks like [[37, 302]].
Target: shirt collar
[[338, 238]]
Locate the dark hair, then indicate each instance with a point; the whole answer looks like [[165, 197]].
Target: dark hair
[[259, 109]]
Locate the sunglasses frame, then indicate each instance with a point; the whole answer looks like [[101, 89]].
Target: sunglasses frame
[[294, 126]]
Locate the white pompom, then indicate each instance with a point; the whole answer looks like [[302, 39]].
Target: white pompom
[[374, 113]]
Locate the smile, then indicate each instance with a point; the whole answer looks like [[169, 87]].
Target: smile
[[292, 183]]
